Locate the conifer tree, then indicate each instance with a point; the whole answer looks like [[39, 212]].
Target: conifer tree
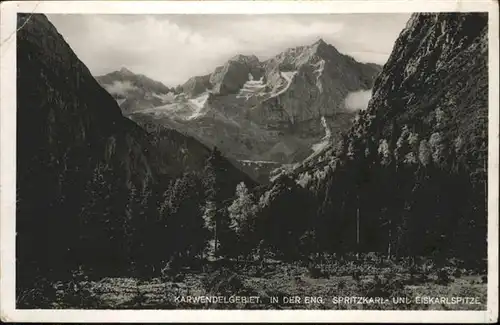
[[214, 184], [242, 218]]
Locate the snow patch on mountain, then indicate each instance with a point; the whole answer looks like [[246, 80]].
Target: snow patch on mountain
[[328, 132], [251, 87], [319, 68], [288, 76], [320, 146], [169, 97], [198, 103]]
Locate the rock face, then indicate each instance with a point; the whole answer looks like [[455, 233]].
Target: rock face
[[272, 110], [436, 82], [450, 59], [231, 77], [196, 85], [310, 82]]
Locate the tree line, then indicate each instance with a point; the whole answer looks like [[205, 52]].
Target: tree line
[[403, 194]]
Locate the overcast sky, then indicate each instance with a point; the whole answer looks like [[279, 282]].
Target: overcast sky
[[173, 48]]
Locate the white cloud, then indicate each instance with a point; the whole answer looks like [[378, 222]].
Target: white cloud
[[173, 48], [120, 88], [358, 100]]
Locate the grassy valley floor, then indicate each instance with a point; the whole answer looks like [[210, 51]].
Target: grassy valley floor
[[339, 285]]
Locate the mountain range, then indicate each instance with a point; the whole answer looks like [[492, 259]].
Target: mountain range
[[263, 114]]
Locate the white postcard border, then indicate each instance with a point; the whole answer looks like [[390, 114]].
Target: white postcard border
[[8, 20]]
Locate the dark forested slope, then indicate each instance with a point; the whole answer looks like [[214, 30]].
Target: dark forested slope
[[92, 186], [68, 127]]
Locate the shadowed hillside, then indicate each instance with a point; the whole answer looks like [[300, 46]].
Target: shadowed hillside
[[90, 182]]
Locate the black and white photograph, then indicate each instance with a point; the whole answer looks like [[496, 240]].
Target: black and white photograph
[[264, 161]]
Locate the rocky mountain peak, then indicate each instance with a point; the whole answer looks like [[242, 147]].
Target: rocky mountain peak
[[320, 41], [246, 59], [320, 44], [229, 79], [196, 85], [293, 58], [126, 72], [323, 50], [134, 91]]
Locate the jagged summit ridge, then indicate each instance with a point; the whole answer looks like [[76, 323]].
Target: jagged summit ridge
[[245, 58], [320, 47], [272, 110], [126, 72], [320, 41], [232, 76]]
